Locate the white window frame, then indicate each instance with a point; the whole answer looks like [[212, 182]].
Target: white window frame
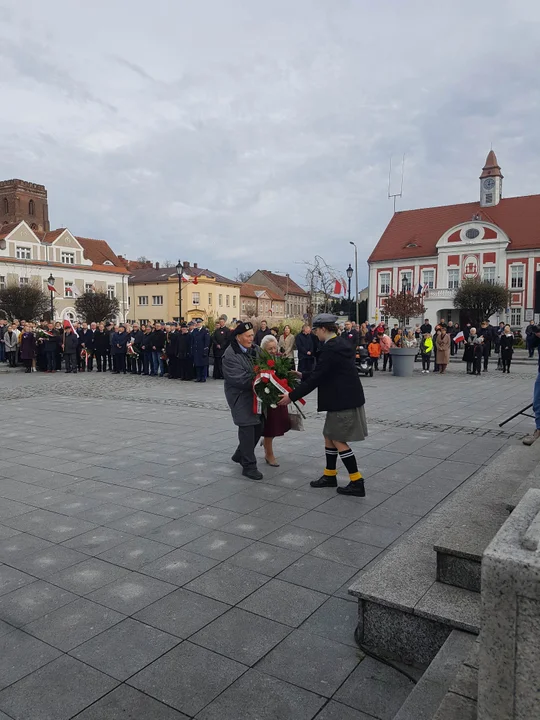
[[209, 298], [24, 280], [517, 277], [453, 278], [195, 297], [227, 300], [220, 300], [23, 252], [385, 286], [2, 282], [428, 272], [88, 287], [516, 313], [68, 289], [488, 275], [157, 299], [408, 274], [111, 292], [234, 301], [142, 300], [67, 257]]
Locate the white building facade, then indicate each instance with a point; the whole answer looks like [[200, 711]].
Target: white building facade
[[432, 250], [77, 265]]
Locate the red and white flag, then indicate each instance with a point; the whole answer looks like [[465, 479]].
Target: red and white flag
[[460, 337], [69, 324], [338, 288], [51, 288]]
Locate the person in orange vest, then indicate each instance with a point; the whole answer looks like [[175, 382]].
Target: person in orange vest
[[374, 350]]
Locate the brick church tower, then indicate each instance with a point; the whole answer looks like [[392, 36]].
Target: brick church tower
[[21, 200]]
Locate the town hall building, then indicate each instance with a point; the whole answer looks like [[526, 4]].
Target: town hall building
[[435, 249]]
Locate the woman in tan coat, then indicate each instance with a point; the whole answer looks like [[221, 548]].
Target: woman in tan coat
[[443, 350], [286, 344]]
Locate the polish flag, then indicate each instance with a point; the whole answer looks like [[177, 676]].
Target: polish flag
[[75, 291], [460, 337], [69, 324], [338, 289], [51, 288]]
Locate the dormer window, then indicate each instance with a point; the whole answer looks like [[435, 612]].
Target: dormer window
[[107, 262], [68, 258], [411, 245]]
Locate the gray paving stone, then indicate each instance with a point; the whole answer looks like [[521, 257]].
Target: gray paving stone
[[337, 711], [135, 553], [241, 503], [324, 664], [303, 499], [7, 532], [204, 676], [139, 523], [125, 648], [182, 613], [322, 522], [178, 567], [347, 552], [12, 508], [49, 526], [12, 579], [126, 703], [266, 559], [218, 545], [376, 688], [87, 576], [105, 513], [279, 513], [5, 628], [131, 593], [177, 532], [241, 635], [317, 574], [37, 695], [336, 620], [32, 601], [21, 654], [73, 624], [228, 583], [44, 563], [18, 546], [346, 507], [212, 517], [265, 491], [175, 507], [295, 538], [249, 526], [388, 518], [369, 534], [256, 695], [283, 602], [97, 541], [74, 505]]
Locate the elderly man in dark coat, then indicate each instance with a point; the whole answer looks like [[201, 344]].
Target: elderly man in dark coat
[[238, 363], [200, 351], [220, 339]]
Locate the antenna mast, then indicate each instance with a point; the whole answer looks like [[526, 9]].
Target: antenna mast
[[400, 193]]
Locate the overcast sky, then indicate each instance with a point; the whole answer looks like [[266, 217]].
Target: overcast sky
[[257, 133]]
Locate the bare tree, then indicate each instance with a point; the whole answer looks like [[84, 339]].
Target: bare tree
[[142, 259], [320, 281], [243, 276], [168, 264], [251, 309]]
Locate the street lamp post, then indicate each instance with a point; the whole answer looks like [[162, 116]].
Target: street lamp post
[[179, 269], [349, 272], [51, 284], [356, 280]]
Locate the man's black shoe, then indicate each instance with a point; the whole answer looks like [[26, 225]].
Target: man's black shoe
[[236, 458], [324, 481], [252, 473], [355, 488]]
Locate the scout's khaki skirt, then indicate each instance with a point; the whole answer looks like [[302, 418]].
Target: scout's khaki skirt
[[346, 425]]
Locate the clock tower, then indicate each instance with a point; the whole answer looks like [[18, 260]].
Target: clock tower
[[491, 182]]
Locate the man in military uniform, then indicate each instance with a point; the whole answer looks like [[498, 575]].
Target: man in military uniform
[[221, 338]]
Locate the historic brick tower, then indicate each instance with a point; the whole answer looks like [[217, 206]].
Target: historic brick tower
[[21, 200]]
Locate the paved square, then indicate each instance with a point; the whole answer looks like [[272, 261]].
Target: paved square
[[142, 576]]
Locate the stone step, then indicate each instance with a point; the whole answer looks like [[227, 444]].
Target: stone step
[[532, 481], [460, 547], [424, 701], [404, 613]]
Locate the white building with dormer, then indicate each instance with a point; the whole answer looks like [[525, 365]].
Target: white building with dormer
[[495, 238]]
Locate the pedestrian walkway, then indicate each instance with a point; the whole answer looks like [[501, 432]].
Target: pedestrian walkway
[[142, 577]]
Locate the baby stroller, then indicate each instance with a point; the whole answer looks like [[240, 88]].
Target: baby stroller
[[364, 364]]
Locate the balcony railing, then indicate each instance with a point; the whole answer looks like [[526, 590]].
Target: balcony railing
[[440, 294]]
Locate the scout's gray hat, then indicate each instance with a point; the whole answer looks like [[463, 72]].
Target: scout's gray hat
[[324, 319]]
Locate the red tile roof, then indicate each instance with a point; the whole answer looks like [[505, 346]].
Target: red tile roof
[[100, 252], [7, 228], [518, 217], [153, 275], [491, 167], [249, 290], [284, 283]]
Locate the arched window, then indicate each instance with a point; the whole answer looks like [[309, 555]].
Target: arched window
[[31, 208], [6, 206]]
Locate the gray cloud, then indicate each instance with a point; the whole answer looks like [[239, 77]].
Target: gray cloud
[[259, 134]]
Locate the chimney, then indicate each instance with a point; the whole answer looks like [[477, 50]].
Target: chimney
[[157, 266], [195, 265], [185, 264]]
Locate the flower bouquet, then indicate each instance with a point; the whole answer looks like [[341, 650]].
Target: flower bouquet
[[273, 377]]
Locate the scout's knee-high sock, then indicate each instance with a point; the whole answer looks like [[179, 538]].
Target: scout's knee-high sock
[[349, 460], [331, 462]]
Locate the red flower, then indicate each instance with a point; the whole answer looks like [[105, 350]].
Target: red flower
[[265, 380], [256, 368], [271, 363]]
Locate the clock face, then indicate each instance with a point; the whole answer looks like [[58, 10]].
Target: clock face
[[489, 184]]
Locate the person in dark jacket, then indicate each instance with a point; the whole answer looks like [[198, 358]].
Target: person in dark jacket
[[486, 332], [341, 395], [530, 338], [136, 340], [118, 350], [263, 331], [171, 350], [3, 330], [102, 343], [158, 347], [184, 353], [146, 348], [27, 348], [238, 363], [306, 345], [220, 341], [507, 348], [426, 327], [84, 337], [69, 347], [51, 342], [350, 333], [201, 351]]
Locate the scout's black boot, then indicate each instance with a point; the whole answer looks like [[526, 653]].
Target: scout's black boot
[[324, 481], [355, 488], [252, 473]]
